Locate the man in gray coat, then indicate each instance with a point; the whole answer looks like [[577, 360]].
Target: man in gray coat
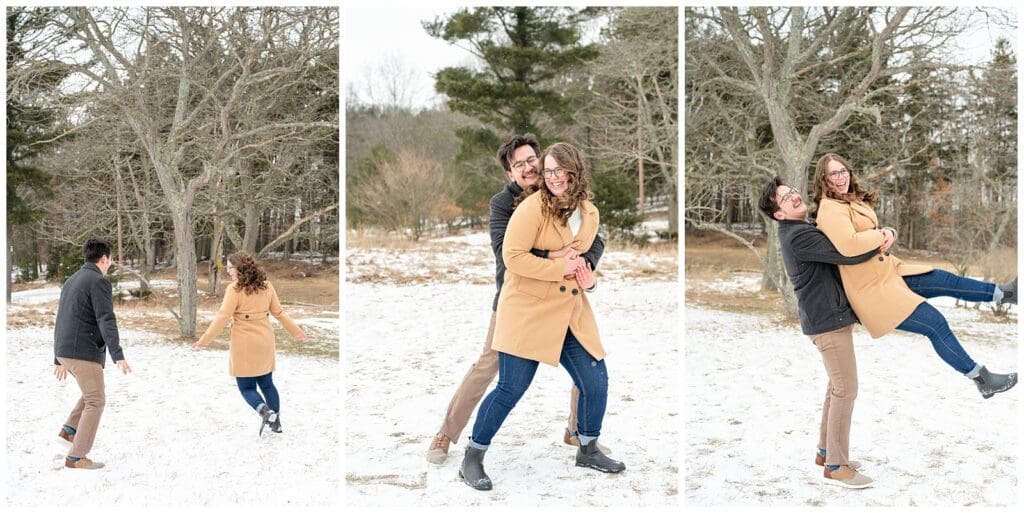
[[86, 326], [519, 157], [826, 318]]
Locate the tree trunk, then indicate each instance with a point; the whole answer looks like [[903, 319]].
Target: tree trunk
[[185, 258], [10, 266], [216, 250]]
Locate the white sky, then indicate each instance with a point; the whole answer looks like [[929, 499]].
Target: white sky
[[372, 34], [369, 35]]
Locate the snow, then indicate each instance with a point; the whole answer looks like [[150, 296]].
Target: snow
[[175, 431], [754, 388], [36, 296], [408, 344], [476, 239]]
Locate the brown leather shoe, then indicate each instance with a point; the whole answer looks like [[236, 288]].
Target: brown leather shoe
[[819, 460], [66, 436], [438, 451], [570, 439], [847, 478], [84, 463]]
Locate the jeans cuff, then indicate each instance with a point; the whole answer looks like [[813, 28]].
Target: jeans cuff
[[475, 445], [973, 373]]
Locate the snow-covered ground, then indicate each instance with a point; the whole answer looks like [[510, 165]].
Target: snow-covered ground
[[408, 346], [175, 431], [754, 388]]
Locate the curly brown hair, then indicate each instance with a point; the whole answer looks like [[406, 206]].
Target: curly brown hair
[[855, 193], [251, 279], [573, 161]]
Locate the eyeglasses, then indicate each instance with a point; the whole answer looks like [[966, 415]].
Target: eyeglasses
[[518, 165], [839, 172], [557, 172], [788, 195]]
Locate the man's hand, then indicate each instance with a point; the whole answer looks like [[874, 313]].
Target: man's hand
[[60, 372], [569, 248], [123, 365], [585, 276]]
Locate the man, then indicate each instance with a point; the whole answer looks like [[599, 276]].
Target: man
[[826, 317], [518, 155], [85, 325]]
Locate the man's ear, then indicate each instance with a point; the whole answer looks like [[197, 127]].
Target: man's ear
[[508, 174], [778, 215]]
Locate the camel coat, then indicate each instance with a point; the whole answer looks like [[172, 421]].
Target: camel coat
[[875, 288], [252, 337], [536, 305]]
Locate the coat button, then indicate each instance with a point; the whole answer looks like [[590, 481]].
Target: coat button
[[562, 288], [886, 253], [574, 292], [246, 316], [881, 258]]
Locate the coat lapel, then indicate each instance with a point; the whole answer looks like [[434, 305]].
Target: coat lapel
[[589, 227], [865, 211]]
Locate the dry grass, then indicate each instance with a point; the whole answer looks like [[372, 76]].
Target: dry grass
[[711, 256], [306, 290]]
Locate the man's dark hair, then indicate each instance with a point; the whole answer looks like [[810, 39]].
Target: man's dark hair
[[95, 249], [767, 202], [513, 141]]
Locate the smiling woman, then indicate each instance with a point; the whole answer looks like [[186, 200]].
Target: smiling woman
[[888, 294]]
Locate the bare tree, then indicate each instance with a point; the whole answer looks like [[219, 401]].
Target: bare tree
[[181, 79], [768, 55], [407, 193]]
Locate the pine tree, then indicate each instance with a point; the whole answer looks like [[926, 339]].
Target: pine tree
[[525, 54]]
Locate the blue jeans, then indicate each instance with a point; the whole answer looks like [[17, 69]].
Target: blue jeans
[[515, 375], [247, 386], [927, 321]]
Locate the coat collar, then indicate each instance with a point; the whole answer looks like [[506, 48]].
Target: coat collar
[[588, 226], [865, 210], [92, 267]]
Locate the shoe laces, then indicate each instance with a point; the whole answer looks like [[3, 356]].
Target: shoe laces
[[439, 441]]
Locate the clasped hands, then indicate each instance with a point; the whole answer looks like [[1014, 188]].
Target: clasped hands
[[575, 267], [889, 238]]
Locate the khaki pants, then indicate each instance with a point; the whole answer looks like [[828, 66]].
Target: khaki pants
[[475, 383], [836, 349], [85, 417]]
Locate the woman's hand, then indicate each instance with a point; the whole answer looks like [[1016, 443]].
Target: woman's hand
[[890, 239], [199, 345], [302, 336], [585, 276], [60, 372], [572, 262]]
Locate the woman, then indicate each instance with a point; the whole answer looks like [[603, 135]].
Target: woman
[[884, 292], [250, 302], [543, 314]]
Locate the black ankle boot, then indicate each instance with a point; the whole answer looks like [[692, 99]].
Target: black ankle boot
[[472, 469], [1009, 293], [590, 456], [267, 417], [275, 426], [990, 384]]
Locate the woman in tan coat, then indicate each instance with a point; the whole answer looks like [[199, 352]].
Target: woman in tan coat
[[249, 302], [543, 314], [888, 294]]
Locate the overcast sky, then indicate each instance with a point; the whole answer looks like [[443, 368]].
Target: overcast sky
[[372, 35]]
